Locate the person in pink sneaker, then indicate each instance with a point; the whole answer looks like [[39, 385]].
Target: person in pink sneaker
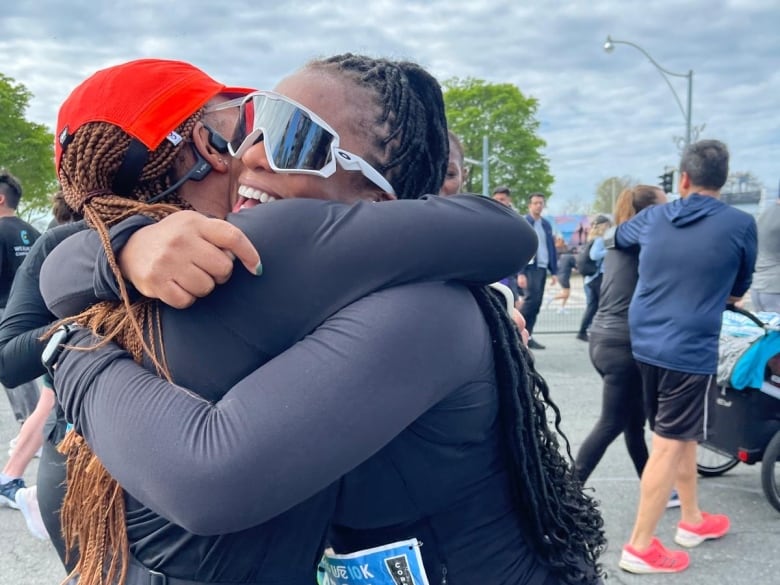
[[696, 254], [656, 558]]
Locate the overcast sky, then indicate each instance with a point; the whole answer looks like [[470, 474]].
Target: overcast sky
[[601, 114]]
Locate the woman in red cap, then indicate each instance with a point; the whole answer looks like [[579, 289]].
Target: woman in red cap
[[154, 96]]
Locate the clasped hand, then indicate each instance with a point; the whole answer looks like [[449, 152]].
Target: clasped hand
[[184, 256]]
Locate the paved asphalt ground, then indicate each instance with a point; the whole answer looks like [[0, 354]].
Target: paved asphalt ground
[[748, 555]]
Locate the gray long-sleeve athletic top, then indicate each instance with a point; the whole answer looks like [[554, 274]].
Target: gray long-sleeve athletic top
[[408, 368]]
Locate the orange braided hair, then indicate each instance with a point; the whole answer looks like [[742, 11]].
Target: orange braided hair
[[93, 512]]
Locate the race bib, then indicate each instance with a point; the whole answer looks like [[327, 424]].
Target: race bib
[[398, 563]]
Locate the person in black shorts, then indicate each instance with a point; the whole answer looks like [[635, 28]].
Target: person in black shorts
[[696, 254], [566, 263], [16, 238]]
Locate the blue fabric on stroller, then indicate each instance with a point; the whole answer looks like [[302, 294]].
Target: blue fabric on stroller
[[755, 346]]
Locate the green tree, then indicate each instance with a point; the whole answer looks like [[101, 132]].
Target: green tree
[[508, 118], [608, 191], [26, 149]]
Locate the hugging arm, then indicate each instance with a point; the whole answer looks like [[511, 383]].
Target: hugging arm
[[628, 233], [287, 430], [464, 237]]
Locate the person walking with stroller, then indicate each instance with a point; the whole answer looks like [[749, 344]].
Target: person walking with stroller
[[696, 254]]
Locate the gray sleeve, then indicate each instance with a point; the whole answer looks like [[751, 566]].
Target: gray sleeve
[[290, 428], [747, 265], [465, 237]]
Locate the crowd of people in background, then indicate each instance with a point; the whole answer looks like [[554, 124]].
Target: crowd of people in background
[[652, 334], [512, 506]]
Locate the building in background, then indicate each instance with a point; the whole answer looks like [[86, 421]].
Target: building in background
[[745, 192]]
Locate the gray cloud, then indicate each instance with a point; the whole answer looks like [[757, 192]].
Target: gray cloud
[[601, 114]]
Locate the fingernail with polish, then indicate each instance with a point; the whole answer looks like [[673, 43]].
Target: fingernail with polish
[[259, 269]]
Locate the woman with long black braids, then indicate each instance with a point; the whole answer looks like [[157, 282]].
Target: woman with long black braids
[[419, 399], [159, 110]]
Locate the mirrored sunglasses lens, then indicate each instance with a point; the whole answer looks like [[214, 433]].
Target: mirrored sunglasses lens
[[243, 127], [293, 141]]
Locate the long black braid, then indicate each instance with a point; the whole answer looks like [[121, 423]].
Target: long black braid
[[565, 526], [411, 130]]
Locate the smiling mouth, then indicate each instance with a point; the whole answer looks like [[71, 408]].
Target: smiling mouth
[[249, 197]]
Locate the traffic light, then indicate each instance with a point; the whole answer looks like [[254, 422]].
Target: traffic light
[[667, 181]]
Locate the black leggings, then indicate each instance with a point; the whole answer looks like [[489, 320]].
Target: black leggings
[[593, 295], [622, 409], [51, 492], [536, 278]]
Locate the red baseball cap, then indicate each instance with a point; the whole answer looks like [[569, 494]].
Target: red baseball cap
[[147, 98]]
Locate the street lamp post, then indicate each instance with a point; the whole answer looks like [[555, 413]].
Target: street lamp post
[[484, 164], [609, 46]]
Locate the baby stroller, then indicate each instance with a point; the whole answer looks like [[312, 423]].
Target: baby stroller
[[744, 410]]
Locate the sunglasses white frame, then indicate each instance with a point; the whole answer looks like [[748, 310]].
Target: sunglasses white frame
[[345, 159]]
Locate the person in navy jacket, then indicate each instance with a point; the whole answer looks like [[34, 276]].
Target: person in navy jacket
[[696, 254], [535, 274]]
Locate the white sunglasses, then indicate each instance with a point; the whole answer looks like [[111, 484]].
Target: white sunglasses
[[296, 140]]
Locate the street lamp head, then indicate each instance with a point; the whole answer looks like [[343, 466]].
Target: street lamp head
[[609, 46]]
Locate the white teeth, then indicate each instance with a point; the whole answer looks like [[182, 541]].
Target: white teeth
[[252, 193], [248, 192]]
